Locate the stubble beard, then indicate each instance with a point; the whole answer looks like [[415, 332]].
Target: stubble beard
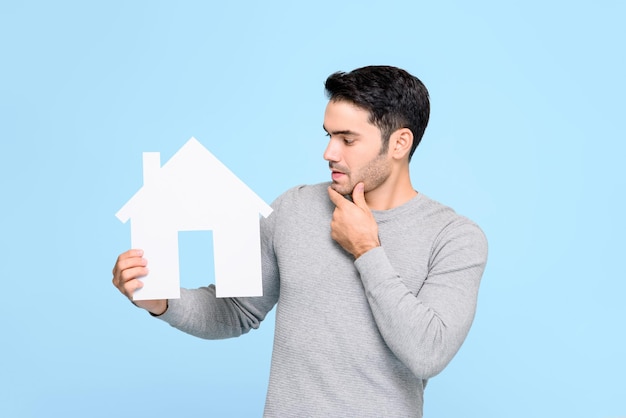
[[373, 174]]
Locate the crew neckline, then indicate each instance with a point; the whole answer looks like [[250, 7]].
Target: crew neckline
[[384, 215]]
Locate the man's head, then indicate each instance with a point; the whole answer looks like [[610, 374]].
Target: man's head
[[393, 98]]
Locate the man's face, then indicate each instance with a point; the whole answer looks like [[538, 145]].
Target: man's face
[[354, 149]]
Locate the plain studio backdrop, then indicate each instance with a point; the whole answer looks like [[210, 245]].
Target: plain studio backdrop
[[526, 138]]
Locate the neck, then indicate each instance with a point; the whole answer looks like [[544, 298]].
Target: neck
[[394, 192]]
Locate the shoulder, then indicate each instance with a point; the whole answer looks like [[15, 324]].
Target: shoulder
[[314, 194], [302, 203], [450, 226]]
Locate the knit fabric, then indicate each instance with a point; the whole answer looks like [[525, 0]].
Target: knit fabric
[[352, 338]]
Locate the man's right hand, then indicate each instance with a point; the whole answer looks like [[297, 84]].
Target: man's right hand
[[130, 266]]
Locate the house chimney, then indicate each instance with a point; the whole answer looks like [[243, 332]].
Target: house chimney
[[151, 166]]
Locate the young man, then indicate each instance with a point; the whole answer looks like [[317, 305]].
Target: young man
[[376, 283]]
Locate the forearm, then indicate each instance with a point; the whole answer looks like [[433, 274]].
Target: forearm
[[425, 330], [198, 312]]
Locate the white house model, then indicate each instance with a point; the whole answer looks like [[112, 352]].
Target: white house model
[[194, 191]]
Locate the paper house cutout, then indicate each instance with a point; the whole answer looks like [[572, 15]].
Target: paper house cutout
[[194, 191]]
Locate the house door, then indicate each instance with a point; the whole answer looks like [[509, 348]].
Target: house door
[[195, 256]]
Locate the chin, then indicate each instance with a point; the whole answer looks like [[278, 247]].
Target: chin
[[336, 187], [341, 189]]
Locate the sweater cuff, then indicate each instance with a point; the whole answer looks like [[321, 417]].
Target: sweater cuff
[[174, 314], [374, 268]]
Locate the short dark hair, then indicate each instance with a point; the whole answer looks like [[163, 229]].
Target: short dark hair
[[394, 99]]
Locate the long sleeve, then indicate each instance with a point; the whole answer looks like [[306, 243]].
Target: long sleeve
[[359, 336], [425, 329], [200, 313]]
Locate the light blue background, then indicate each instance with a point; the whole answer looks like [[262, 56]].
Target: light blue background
[[526, 137]]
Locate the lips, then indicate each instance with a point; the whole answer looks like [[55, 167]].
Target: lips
[[336, 172], [337, 175]]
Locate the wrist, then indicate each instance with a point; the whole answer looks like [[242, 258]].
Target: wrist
[[154, 307], [362, 250], [160, 310]]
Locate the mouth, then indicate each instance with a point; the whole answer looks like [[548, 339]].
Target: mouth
[[337, 175]]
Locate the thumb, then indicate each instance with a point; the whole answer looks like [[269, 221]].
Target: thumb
[[358, 196]]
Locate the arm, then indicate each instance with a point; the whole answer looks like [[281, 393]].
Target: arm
[[424, 330], [200, 313]]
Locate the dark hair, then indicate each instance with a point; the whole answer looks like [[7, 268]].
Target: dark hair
[[394, 99]]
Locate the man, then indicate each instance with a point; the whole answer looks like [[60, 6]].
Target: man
[[376, 283]]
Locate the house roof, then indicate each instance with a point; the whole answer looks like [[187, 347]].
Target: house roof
[[193, 178]]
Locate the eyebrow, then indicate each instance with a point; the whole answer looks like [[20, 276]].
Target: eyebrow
[[343, 132]]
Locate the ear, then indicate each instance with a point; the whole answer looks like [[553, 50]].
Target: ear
[[400, 143]]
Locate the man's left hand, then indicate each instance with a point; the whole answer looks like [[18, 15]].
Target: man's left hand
[[353, 225]]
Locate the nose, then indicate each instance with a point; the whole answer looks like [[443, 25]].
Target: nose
[[331, 154]]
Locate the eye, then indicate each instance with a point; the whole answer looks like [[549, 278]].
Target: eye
[[348, 141]]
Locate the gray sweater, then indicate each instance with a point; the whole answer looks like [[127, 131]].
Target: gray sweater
[[353, 338]]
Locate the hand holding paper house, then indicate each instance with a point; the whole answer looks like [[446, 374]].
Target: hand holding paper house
[[195, 191]]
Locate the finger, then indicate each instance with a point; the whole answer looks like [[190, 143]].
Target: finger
[[129, 259], [130, 254], [358, 196], [126, 280], [124, 256], [125, 265], [133, 273], [335, 197], [131, 287], [125, 269]]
